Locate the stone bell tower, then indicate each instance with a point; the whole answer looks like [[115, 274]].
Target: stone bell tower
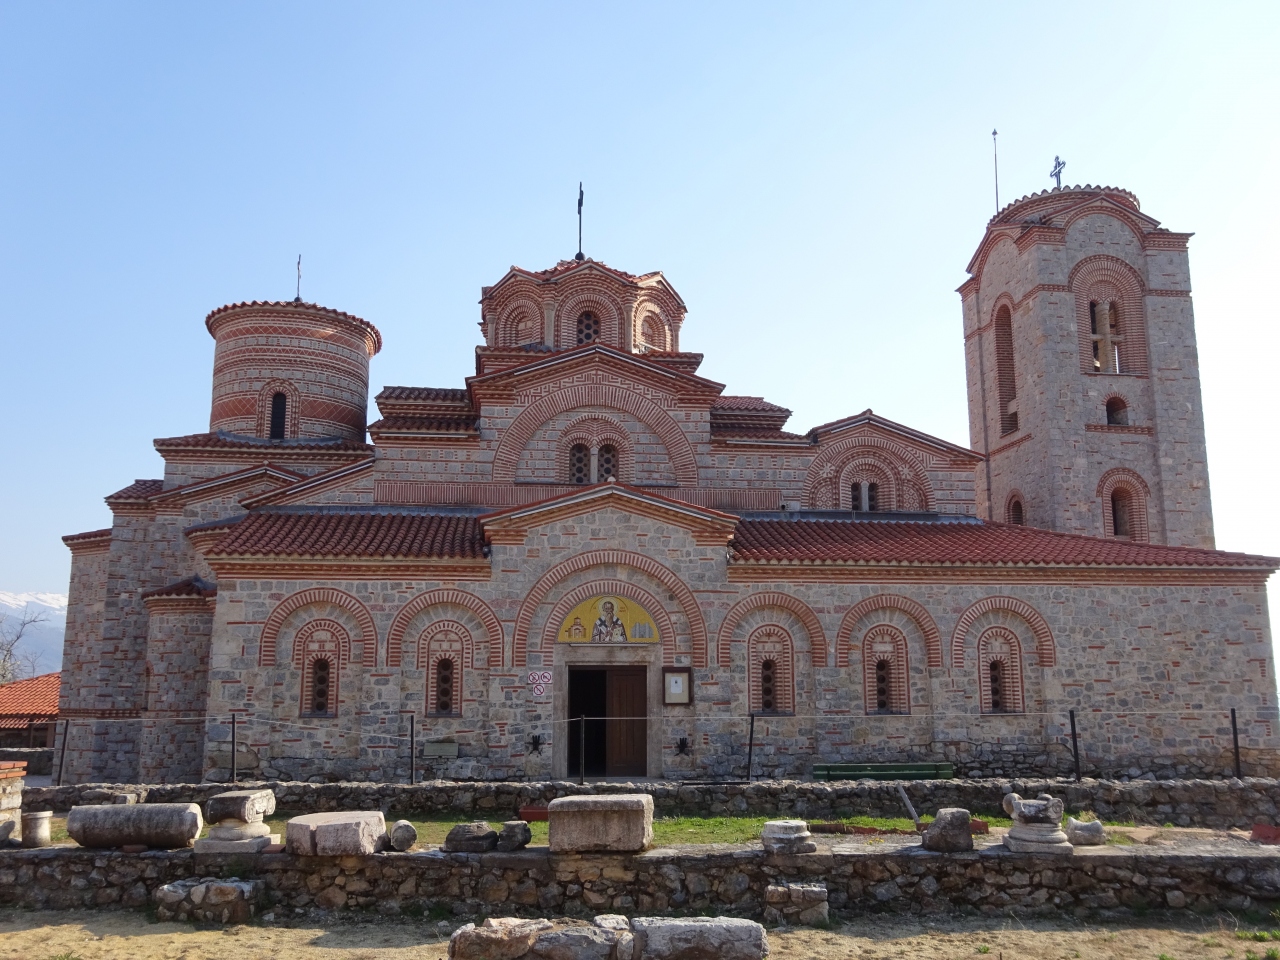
[[1084, 383]]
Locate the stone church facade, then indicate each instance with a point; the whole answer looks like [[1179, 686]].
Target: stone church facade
[[588, 528]]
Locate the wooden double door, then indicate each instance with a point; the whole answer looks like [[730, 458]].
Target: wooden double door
[[612, 740]]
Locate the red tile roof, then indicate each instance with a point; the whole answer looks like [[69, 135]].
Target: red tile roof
[[566, 266], [190, 587], [747, 403], [424, 394], [138, 490], [462, 424], [297, 305], [35, 698], [352, 534], [852, 541], [226, 441], [734, 432], [71, 538]]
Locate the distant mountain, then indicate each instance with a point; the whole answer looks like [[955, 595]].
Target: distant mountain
[[45, 638]]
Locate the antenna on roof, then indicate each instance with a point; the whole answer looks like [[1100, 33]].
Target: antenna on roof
[[995, 160], [578, 255], [298, 296], [1056, 172]]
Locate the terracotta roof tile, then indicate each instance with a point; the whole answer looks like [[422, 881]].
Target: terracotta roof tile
[[424, 394], [567, 266], [190, 587], [34, 697], [853, 541], [71, 538], [734, 432], [747, 403], [138, 490], [461, 424], [353, 534], [296, 305], [232, 441]]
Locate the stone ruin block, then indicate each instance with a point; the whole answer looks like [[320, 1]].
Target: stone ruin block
[[698, 938], [611, 937], [474, 837], [787, 837], [237, 822], [797, 904], [949, 832], [162, 826], [336, 834], [621, 823], [210, 899], [247, 806]]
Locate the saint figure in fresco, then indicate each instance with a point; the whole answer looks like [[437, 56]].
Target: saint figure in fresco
[[608, 628]]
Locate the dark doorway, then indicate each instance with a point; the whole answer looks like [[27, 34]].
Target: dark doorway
[[614, 742]]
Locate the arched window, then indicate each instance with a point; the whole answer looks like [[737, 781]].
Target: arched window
[[606, 462], [652, 334], [588, 327], [999, 671], [279, 408], [579, 463], [1117, 413], [1015, 512], [444, 686], [855, 496], [1006, 383], [1104, 328], [1121, 513], [884, 657], [319, 695], [768, 680], [873, 497]]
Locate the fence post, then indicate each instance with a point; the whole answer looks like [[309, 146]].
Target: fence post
[[1235, 741], [235, 769], [751, 746], [413, 753], [582, 749], [62, 754], [1075, 744]]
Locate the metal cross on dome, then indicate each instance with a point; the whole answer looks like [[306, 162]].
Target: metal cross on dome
[[1056, 172]]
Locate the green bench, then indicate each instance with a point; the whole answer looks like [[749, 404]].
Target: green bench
[[883, 771]]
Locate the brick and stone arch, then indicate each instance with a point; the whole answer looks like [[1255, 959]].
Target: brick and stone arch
[[444, 655], [868, 483], [321, 653], [595, 431], [812, 626], [1109, 284], [1000, 671], [598, 302], [1015, 508], [626, 589], [886, 671], [611, 564], [266, 396], [423, 609], [904, 614], [652, 330], [1115, 410], [909, 486], [614, 396], [770, 670], [313, 604], [1015, 614], [1121, 487], [520, 323]]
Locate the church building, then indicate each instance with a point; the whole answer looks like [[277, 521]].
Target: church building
[[588, 528]]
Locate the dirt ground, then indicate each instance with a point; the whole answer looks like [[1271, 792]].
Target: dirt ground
[[29, 935]]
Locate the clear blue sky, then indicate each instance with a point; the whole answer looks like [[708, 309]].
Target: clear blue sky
[[811, 178]]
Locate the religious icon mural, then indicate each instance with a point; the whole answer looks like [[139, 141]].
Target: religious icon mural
[[608, 620]]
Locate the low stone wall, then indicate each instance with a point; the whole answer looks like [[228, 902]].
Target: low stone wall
[[858, 878], [1184, 803], [39, 759]]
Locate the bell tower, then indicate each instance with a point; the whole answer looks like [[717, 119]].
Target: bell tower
[[1084, 383]]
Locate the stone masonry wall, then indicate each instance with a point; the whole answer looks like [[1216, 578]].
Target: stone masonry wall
[[891, 877], [1184, 803]]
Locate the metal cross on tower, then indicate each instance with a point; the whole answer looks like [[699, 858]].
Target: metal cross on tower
[[578, 255], [1056, 172]]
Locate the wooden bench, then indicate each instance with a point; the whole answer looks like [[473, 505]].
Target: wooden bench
[[883, 771]]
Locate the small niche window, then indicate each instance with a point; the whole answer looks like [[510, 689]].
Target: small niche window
[[1121, 519], [996, 685], [884, 685], [606, 462], [444, 686], [1015, 512], [855, 495], [320, 702], [873, 497], [1006, 379], [279, 408], [768, 685], [1104, 329], [1117, 413], [579, 464], [588, 327]]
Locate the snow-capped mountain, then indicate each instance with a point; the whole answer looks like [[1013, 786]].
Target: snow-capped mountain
[[44, 638]]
